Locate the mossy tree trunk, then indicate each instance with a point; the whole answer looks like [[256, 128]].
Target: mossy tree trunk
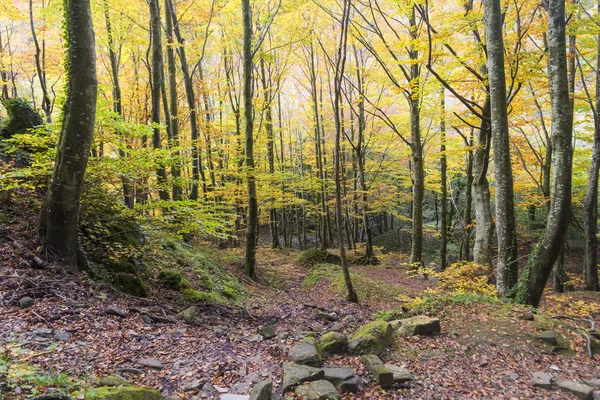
[[58, 225]]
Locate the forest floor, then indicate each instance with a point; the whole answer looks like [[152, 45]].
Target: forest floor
[[485, 350]]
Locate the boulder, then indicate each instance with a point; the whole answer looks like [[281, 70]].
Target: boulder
[[63, 336], [26, 302], [384, 378], [196, 384], [113, 381], [400, 374], [580, 390], [262, 390], [131, 284], [317, 390], [120, 393], [293, 374], [113, 310], [541, 380], [349, 386], [419, 325], [267, 332], [595, 382], [547, 337], [342, 378], [151, 363], [333, 343], [306, 352], [189, 315], [373, 337]]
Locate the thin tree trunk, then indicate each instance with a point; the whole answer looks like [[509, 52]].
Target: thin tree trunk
[[39, 66], [444, 184]]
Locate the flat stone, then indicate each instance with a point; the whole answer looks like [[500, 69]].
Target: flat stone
[[325, 316], [542, 380], [595, 382], [267, 332], [384, 377], [372, 338], [112, 310], [63, 336], [333, 343], [510, 375], [581, 390], [527, 317], [401, 375], [419, 325], [147, 319], [229, 396], [151, 363], [293, 374], [194, 385], [221, 389], [349, 386], [337, 375], [113, 381], [255, 338], [547, 337], [26, 302], [42, 332], [317, 390], [306, 352], [262, 390]]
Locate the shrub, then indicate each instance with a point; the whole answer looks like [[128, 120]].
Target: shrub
[[465, 278], [315, 256]]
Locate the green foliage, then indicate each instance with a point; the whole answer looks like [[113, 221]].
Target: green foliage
[[21, 117], [131, 284], [172, 279], [315, 256]]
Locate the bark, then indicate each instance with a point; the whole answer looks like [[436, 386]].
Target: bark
[[507, 269], [40, 66], [547, 251], [3, 73], [467, 216], [444, 184], [59, 216]]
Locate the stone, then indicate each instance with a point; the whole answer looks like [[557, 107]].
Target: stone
[[384, 378], [151, 363], [255, 338], [267, 332], [541, 380], [26, 302], [595, 382], [325, 316], [189, 315], [317, 390], [120, 393], [294, 374], [134, 371], [400, 374], [337, 375], [547, 337], [42, 332], [306, 352], [196, 384], [527, 317], [147, 319], [229, 396], [510, 375], [221, 389], [581, 390], [349, 386], [373, 337], [113, 310], [113, 381], [333, 343], [262, 390], [396, 324], [63, 337], [419, 325]]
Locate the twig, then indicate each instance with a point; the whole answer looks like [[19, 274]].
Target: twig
[[589, 345]]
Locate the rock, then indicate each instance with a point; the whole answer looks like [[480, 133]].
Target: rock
[[325, 316], [317, 390], [221, 330], [342, 378], [542, 380], [255, 338], [401, 375], [337, 326], [262, 390], [230, 396], [396, 324], [151, 363], [349, 386], [373, 337], [131, 284], [595, 382], [510, 375], [189, 315], [113, 310], [384, 377], [267, 332], [333, 343], [63, 337], [547, 337], [582, 391], [26, 302], [306, 352], [120, 393], [113, 381], [134, 371], [194, 385], [484, 364], [42, 332], [221, 389], [294, 374], [419, 325], [527, 317], [147, 319]]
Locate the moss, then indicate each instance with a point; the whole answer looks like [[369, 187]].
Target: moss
[[172, 279], [318, 272], [333, 342], [317, 256], [131, 284], [373, 337], [120, 393], [121, 266], [196, 296], [230, 292]]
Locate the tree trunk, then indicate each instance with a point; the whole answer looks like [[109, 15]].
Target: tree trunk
[[39, 66], [59, 216], [444, 184]]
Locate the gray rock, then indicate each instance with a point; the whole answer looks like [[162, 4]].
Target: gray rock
[[194, 385], [63, 336], [372, 338], [337, 375], [230, 396], [221, 389], [147, 319], [547, 337], [527, 317], [262, 390], [419, 325], [400, 374], [26, 302], [325, 316], [151, 363], [542, 380], [134, 371], [113, 381], [384, 378], [595, 382], [582, 391], [220, 330], [267, 332], [113, 310], [510, 375], [42, 332], [317, 390], [293, 374], [306, 352], [349, 386], [189, 315], [255, 338], [333, 343]]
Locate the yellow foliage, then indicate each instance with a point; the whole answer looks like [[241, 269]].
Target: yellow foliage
[[564, 304], [467, 278]]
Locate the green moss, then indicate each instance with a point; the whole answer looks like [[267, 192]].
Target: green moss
[[120, 393], [121, 266], [318, 272], [196, 296], [230, 292], [131, 284], [172, 279], [373, 337], [317, 256]]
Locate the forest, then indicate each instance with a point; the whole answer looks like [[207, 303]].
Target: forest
[[299, 199]]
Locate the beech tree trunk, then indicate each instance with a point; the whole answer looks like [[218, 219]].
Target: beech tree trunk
[[58, 225], [444, 184]]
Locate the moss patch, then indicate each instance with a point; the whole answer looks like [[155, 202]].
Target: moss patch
[[131, 284], [317, 256], [120, 393], [172, 279]]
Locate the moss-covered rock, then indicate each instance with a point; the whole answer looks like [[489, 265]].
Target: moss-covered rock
[[333, 343], [197, 296], [113, 381], [131, 284], [189, 315], [419, 325], [306, 352], [315, 256], [120, 393], [21, 117], [121, 266], [373, 337], [172, 279]]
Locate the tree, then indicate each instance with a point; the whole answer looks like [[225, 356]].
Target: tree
[[58, 225], [507, 269]]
